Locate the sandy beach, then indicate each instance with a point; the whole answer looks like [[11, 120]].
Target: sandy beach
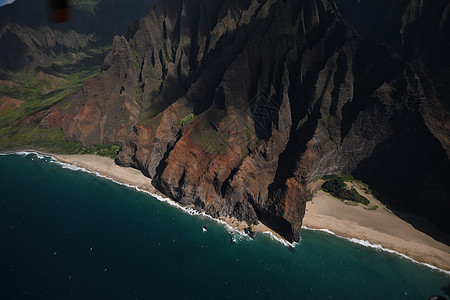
[[107, 167], [378, 226]]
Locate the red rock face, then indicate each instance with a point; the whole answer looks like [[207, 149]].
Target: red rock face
[[105, 109], [235, 108], [52, 120], [9, 102]]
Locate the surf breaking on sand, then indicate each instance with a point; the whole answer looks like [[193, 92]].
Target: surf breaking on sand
[[233, 231]]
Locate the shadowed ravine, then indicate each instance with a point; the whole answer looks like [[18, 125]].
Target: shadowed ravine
[[281, 93]]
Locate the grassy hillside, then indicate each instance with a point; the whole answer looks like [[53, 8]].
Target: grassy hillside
[[43, 63], [29, 92]]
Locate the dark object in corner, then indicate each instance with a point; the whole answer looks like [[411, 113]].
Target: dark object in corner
[[60, 11]]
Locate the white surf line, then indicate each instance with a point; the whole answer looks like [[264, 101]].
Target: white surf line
[[280, 240], [368, 244], [230, 229]]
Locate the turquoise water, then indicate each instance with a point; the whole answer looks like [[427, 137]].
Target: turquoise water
[[70, 235]]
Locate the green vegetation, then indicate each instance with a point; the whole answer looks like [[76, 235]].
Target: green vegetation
[[149, 70], [343, 178], [36, 99], [138, 91], [51, 140], [102, 150], [349, 178], [186, 120], [163, 47], [249, 133], [206, 133], [41, 88], [137, 60], [350, 203], [151, 108], [336, 186], [373, 207], [65, 106]]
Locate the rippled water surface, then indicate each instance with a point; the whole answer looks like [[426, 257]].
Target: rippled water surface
[[67, 234]]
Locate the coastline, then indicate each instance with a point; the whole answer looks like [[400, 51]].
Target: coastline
[[378, 229], [105, 167], [134, 178]]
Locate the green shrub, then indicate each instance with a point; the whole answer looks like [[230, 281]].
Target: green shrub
[[102, 150], [338, 189], [187, 119], [373, 207]]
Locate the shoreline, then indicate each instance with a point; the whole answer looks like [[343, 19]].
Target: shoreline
[[377, 229], [132, 177], [105, 167]]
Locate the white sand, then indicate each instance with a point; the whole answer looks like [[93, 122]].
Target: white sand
[[106, 166], [376, 226], [323, 212]]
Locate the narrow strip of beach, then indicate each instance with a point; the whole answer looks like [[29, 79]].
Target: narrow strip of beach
[[378, 226], [107, 167]]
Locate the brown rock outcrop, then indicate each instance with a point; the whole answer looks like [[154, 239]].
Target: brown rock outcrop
[[234, 106]]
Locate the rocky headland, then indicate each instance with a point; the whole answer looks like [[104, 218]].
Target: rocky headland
[[235, 106]]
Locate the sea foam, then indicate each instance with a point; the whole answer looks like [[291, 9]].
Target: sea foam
[[378, 247], [234, 232]]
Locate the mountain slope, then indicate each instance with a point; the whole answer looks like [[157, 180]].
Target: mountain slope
[[235, 106], [28, 38], [41, 63]]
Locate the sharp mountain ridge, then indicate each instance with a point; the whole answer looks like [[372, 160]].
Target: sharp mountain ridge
[[234, 106]]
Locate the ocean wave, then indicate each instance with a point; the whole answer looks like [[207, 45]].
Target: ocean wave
[[24, 153], [280, 240], [234, 232], [379, 247]]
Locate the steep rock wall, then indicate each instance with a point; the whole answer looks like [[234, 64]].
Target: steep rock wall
[[235, 106]]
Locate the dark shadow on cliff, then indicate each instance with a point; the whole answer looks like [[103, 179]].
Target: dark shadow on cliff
[[277, 224], [409, 172], [272, 221]]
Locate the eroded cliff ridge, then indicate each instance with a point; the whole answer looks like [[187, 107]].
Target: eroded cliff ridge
[[29, 39], [234, 106]]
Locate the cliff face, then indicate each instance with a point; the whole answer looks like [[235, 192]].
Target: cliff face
[[22, 47], [235, 106], [29, 39], [417, 32]]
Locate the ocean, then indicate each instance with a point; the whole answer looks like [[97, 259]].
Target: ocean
[[68, 234]]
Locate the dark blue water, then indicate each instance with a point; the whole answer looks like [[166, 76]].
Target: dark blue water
[[70, 235]]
